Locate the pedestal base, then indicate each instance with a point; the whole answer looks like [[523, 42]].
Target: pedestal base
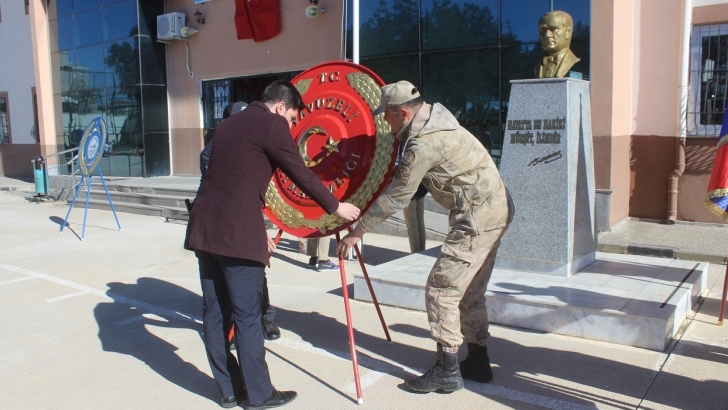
[[545, 267], [624, 299]]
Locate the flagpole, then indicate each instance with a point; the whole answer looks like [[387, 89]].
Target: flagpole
[[723, 298], [355, 31]]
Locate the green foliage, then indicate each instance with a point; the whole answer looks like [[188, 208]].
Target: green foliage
[[123, 59], [450, 25], [391, 29], [457, 54]]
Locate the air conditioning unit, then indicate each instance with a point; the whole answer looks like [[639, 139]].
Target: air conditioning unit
[[169, 26]]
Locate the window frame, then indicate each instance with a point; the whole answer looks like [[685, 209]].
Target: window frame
[[4, 94], [697, 72], [36, 124]]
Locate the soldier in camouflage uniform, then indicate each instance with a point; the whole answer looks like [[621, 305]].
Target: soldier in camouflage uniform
[[461, 176]]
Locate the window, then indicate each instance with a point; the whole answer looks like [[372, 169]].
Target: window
[[27, 7], [708, 79], [109, 66], [217, 94], [35, 131], [4, 119], [463, 53]]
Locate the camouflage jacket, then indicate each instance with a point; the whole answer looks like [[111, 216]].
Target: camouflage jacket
[[456, 169]]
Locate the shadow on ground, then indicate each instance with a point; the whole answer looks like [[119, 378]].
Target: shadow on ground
[[373, 255], [123, 329], [58, 221], [523, 373], [520, 370]]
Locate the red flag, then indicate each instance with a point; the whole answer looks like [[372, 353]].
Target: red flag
[[717, 198], [242, 23], [257, 19]]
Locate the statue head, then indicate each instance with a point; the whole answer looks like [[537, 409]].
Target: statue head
[[555, 29]]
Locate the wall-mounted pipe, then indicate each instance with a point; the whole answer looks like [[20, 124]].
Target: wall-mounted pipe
[[672, 182]]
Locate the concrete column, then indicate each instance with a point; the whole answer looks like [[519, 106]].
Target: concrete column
[[611, 97], [43, 76]]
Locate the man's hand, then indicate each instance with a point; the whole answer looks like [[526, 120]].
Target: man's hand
[[348, 242], [347, 211], [271, 245]]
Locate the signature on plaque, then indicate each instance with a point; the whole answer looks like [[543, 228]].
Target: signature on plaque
[[546, 159]]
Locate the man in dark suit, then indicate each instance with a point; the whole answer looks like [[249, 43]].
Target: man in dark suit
[[270, 329], [227, 232]]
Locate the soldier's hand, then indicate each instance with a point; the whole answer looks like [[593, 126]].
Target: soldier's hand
[[348, 242], [271, 245], [347, 211]]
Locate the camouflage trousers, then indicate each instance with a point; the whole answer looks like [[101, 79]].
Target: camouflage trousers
[[455, 292]]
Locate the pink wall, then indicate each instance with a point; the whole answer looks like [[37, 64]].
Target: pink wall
[[624, 26], [656, 67], [717, 13], [635, 69], [611, 99], [15, 159], [215, 52], [635, 76]]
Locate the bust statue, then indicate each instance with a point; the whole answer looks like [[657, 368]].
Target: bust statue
[[555, 29]]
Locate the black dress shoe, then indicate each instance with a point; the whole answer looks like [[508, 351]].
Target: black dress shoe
[[270, 330], [229, 402], [277, 399]]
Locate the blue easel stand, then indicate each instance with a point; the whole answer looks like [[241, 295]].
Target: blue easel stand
[[90, 152], [85, 211], [109, 198], [75, 195], [87, 180]]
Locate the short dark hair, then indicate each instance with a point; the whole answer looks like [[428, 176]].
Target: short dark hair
[[282, 91]]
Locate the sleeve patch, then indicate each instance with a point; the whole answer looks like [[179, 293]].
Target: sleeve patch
[[408, 157], [403, 173]]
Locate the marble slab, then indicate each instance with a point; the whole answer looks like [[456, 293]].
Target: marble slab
[[624, 299], [547, 164]]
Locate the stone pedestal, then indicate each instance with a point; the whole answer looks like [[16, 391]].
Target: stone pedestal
[[548, 166], [625, 299]]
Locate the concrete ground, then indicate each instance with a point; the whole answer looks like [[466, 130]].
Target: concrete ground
[[113, 322], [683, 240]]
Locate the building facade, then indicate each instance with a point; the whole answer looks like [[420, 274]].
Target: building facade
[[18, 129], [161, 101], [106, 62]]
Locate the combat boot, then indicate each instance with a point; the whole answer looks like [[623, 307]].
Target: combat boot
[[443, 377], [477, 365]]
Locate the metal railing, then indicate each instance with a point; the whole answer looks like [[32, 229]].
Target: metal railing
[[70, 163]]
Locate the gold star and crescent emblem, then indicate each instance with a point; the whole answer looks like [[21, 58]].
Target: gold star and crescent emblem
[[330, 147]]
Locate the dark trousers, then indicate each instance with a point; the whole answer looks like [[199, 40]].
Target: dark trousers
[[269, 312], [236, 285]]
